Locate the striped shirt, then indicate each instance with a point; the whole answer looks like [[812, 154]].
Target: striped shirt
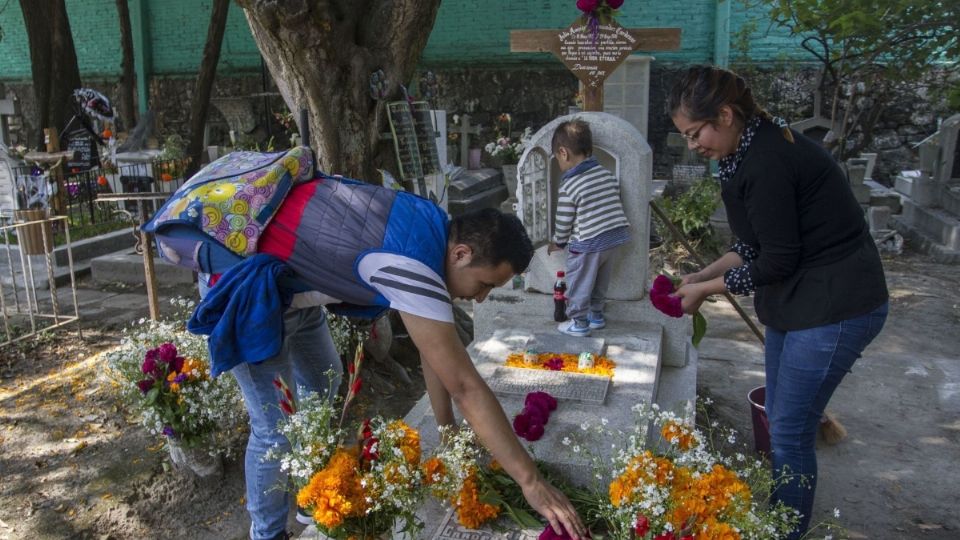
[[409, 285], [588, 205]]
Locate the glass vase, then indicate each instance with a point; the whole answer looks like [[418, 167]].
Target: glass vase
[[195, 460]]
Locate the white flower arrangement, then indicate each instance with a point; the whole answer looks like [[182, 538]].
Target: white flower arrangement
[[209, 411]]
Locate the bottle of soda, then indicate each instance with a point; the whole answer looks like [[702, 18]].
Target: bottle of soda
[[559, 298]]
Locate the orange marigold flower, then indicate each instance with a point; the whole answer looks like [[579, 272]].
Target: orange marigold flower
[[602, 365], [679, 435], [433, 471], [334, 493], [471, 512]]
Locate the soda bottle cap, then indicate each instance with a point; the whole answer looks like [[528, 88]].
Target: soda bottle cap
[[560, 273]]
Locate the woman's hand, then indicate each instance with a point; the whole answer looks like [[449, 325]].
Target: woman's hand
[[552, 504], [692, 296], [695, 277]]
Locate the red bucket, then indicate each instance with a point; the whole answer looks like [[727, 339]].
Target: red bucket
[[761, 425]]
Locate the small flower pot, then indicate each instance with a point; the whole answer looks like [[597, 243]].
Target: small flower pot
[[761, 425], [195, 460]]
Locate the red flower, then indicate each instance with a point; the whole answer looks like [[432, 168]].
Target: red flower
[[642, 526], [355, 387], [665, 536], [521, 423], [369, 454], [543, 397], [534, 432], [167, 352], [661, 295], [145, 385], [549, 534], [614, 4], [587, 6], [286, 407], [554, 364], [537, 411]]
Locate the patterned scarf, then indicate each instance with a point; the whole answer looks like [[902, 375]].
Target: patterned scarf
[[727, 166]]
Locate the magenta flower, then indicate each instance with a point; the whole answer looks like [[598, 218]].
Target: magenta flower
[[662, 297], [149, 365], [168, 352], [177, 364], [587, 6], [549, 534], [554, 364], [534, 432], [521, 423], [614, 4], [538, 412], [545, 398], [145, 385]]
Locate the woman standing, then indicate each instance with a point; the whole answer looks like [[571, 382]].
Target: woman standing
[[803, 248]]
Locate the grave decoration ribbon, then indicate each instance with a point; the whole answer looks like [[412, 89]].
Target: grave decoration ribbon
[[662, 298], [597, 12]]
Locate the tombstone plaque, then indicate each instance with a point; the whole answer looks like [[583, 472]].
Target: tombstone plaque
[[82, 143], [426, 137], [592, 57]]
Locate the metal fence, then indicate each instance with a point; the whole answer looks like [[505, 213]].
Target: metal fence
[[25, 309], [73, 194]]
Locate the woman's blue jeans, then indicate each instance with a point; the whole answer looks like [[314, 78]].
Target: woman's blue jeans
[[307, 355], [803, 368]]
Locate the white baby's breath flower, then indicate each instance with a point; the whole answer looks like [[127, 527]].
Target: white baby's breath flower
[[566, 441], [836, 512]]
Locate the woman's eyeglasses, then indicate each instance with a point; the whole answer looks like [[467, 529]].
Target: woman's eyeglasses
[[695, 136]]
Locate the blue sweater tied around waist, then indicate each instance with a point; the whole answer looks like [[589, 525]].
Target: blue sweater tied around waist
[[243, 313]]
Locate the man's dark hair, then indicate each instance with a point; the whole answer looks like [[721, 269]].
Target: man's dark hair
[[575, 136], [494, 237]]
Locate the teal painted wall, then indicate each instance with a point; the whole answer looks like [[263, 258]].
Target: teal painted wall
[[466, 32]]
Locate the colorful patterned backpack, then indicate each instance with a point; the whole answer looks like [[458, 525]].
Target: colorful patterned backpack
[[230, 201]]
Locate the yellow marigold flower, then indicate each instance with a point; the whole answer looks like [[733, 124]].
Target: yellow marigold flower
[[410, 445]]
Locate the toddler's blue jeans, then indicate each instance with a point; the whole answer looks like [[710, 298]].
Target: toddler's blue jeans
[[803, 368]]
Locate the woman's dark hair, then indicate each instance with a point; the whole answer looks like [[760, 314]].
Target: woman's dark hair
[[575, 136], [702, 90], [495, 237]]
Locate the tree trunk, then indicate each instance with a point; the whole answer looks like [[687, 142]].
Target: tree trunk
[[53, 61], [128, 80], [201, 92], [321, 55]]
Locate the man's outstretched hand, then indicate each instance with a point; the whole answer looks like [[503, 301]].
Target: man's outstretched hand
[[552, 504]]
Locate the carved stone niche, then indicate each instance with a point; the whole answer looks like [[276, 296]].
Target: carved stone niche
[[619, 147]]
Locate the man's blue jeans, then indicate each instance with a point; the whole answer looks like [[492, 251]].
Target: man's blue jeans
[[803, 368], [307, 355]]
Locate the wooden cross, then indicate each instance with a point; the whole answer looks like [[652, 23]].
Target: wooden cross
[[593, 60], [465, 129]]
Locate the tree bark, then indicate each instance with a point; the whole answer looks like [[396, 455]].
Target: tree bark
[[128, 79], [53, 61], [200, 105], [321, 55]]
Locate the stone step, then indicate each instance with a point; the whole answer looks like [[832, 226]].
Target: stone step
[[936, 223], [951, 200], [126, 266]]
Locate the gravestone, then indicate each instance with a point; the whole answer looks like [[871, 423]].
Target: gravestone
[[623, 151], [626, 92], [931, 198], [474, 189], [581, 400]]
